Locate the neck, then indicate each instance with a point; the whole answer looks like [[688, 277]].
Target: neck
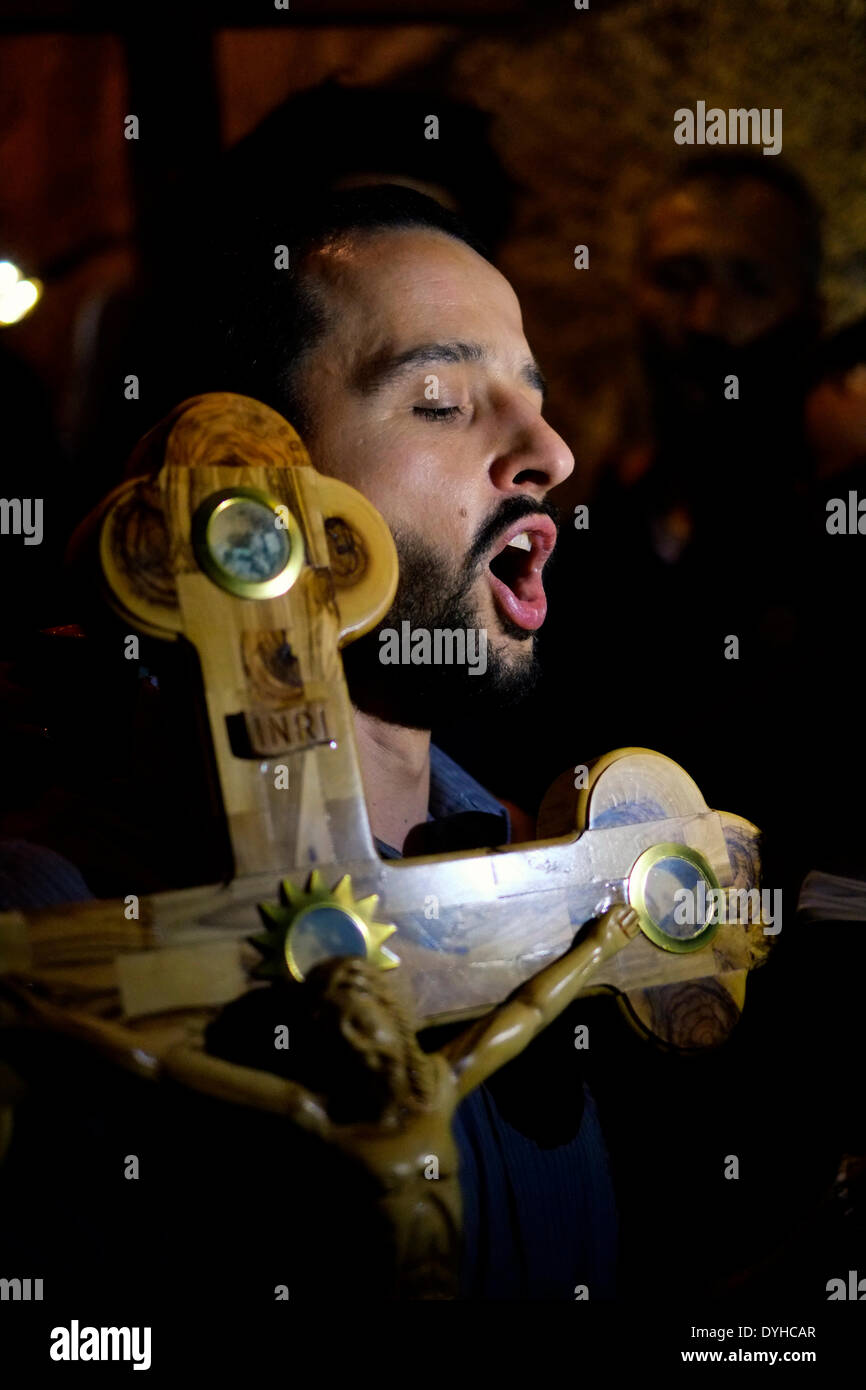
[[395, 769]]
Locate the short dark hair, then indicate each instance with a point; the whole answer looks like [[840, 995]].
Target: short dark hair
[[739, 166], [262, 320], [361, 129]]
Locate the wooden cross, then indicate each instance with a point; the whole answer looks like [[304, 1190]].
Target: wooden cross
[[226, 537]]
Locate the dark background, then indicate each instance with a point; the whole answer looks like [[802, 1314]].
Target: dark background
[[574, 114]]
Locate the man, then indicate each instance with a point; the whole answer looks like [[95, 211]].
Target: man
[[727, 280], [398, 351], [699, 534], [705, 507], [728, 312], [698, 516]]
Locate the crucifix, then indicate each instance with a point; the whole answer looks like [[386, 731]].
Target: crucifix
[[224, 536]]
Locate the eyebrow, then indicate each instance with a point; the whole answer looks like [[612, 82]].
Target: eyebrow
[[386, 367]]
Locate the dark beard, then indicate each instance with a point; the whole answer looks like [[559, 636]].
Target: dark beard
[[431, 594]]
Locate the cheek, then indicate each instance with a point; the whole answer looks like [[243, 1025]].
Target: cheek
[[760, 315], [370, 453], [426, 479], [415, 480], [658, 308], [749, 318]]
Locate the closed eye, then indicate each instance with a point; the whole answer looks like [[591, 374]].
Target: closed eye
[[445, 412]]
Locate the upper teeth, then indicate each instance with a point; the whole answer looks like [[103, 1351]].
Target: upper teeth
[[522, 541]]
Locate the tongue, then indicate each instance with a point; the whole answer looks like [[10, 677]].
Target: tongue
[[525, 605]]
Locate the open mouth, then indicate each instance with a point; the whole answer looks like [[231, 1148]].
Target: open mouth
[[515, 571]]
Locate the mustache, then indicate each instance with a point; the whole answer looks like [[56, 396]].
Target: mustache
[[511, 509]]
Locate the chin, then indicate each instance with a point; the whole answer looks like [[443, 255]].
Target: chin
[[517, 653]]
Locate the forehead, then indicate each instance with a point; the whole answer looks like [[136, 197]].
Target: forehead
[[745, 219], [394, 288]]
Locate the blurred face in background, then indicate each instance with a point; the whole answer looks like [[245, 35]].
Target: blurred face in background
[[722, 287]]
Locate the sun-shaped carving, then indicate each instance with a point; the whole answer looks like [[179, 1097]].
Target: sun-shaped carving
[[316, 923]]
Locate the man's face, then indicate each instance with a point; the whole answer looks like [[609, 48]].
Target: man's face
[[423, 394], [720, 275]]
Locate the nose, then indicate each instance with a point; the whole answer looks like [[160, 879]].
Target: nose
[[535, 458], [706, 311]]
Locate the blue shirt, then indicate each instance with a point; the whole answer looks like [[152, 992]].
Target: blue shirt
[[32, 877], [539, 1219]]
